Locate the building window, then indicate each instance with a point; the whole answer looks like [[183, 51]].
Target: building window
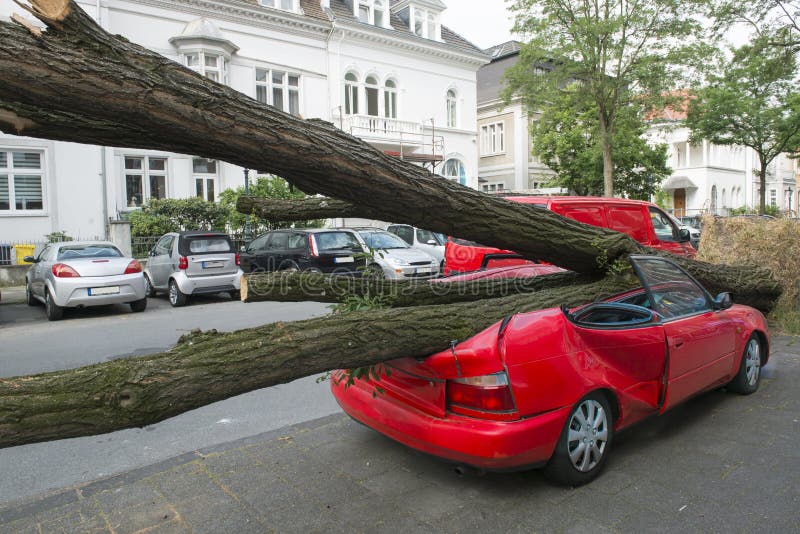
[[372, 12], [773, 198], [279, 89], [145, 178], [205, 177], [493, 187], [350, 94], [452, 109], [21, 179], [493, 139], [371, 92], [212, 66], [424, 23], [286, 5], [453, 169], [390, 99]]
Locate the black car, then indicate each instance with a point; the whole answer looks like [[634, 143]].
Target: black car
[[332, 251]]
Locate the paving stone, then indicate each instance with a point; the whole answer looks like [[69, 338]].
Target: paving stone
[[135, 518], [429, 503], [127, 496], [220, 463], [184, 482], [261, 488]]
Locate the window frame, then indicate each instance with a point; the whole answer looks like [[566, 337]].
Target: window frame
[[429, 21], [351, 89], [451, 99], [278, 4], [206, 177], [10, 172], [221, 70], [458, 179], [492, 136], [269, 86], [146, 174], [486, 187]]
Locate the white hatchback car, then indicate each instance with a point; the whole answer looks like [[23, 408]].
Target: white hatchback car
[[75, 274]]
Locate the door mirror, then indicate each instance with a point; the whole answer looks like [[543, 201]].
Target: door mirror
[[684, 235], [723, 301], [431, 242], [243, 249], [30, 259], [153, 251]]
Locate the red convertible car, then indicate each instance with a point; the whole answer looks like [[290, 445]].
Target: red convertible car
[[551, 387]]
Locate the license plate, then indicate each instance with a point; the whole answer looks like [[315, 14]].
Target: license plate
[[113, 290], [344, 259], [422, 270], [212, 264]]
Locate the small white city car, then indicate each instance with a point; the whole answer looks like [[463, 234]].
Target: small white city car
[[76, 274], [193, 263]]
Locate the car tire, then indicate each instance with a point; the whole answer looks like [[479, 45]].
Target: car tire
[[236, 295], [177, 298], [289, 267], [138, 306], [584, 444], [29, 298], [54, 311], [749, 376], [149, 289]]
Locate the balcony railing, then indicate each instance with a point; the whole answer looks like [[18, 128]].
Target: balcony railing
[[382, 128]]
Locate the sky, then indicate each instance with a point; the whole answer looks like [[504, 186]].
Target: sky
[[483, 22]]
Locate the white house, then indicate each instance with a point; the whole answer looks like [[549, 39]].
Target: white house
[[388, 72]]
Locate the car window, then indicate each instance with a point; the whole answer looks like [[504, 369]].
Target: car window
[[164, 244], [424, 236], [674, 293], [337, 241], [76, 252], [205, 244], [298, 241], [279, 241], [665, 229], [406, 233], [258, 243], [383, 240]]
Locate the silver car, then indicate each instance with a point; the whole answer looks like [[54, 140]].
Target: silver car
[[75, 274], [424, 240], [395, 258], [193, 263]]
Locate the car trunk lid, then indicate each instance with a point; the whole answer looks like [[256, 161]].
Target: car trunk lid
[[98, 266], [208, 255]]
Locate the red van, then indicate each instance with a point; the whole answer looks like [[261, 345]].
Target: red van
[[643, 221]]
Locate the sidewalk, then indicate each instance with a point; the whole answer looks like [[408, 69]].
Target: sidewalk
[[12, 295], [720, 463]]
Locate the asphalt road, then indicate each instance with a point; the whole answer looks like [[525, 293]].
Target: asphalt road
[[31, 344]]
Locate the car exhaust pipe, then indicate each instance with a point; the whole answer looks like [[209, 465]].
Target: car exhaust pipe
[[463, 470]]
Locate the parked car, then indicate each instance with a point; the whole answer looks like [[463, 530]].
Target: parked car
[[551, 387], [525, 270], [76, 274], [192, 263], [643, 221], [393, 258], [425, 240], [694, 233], [330, 251]]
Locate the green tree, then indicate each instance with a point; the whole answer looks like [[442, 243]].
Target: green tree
[[175, 214], [267, 187], [566, 139], [752, 102], [776, 22], [623, 53]]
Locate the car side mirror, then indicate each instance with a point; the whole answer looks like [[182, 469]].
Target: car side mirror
[[723, 301], [684, 235], [431, 242], [152, 251], [243, 249], [30, 259]]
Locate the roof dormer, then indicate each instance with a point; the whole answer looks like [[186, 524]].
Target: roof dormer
[[422, 16], [285, 5], [374, 12]]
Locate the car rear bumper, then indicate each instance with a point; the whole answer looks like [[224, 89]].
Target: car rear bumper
[[74, 292], [485, 444], [216, 283]]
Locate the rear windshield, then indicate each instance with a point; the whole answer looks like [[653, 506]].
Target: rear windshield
[[205, 245], [337, 241], [75, 252], [383, 240]]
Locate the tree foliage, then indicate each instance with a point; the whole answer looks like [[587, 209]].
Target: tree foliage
[[567, 140], [266, 187], [623, 53], [160, 216], [777, 22], [752, 101]]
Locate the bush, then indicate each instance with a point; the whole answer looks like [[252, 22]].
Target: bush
[[772, 244], [158, 217]]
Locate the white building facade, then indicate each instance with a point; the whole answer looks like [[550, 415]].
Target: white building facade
[[387, 72]]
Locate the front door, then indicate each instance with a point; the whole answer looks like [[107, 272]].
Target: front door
[[679, 202]]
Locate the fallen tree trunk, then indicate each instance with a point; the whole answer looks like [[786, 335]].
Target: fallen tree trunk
[[296, 287], [274, 210], [205, 367]]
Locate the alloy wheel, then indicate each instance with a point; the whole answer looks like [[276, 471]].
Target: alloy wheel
[[588, 435], [753, 362], [173, 293]]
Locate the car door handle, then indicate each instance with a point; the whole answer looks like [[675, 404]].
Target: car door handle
[[677, 342]]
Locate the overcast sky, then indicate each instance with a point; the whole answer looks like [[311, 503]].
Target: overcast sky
[[483, 22]]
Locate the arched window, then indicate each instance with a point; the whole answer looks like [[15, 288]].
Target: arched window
[[452, 109], [724, 199], [453, 169], [350, 94], [714, 202], [390, 99], [371, 90]]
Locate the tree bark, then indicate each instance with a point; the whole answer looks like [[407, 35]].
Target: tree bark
[[205, 367], [295, 287], [275, 210]]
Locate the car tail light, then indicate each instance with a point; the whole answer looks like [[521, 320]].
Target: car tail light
[[183, 263], [488, 393], [61, 270], [313, 243], [237, 260], [133, 267]]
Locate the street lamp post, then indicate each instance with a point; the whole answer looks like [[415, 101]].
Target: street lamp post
[[247, 217]]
